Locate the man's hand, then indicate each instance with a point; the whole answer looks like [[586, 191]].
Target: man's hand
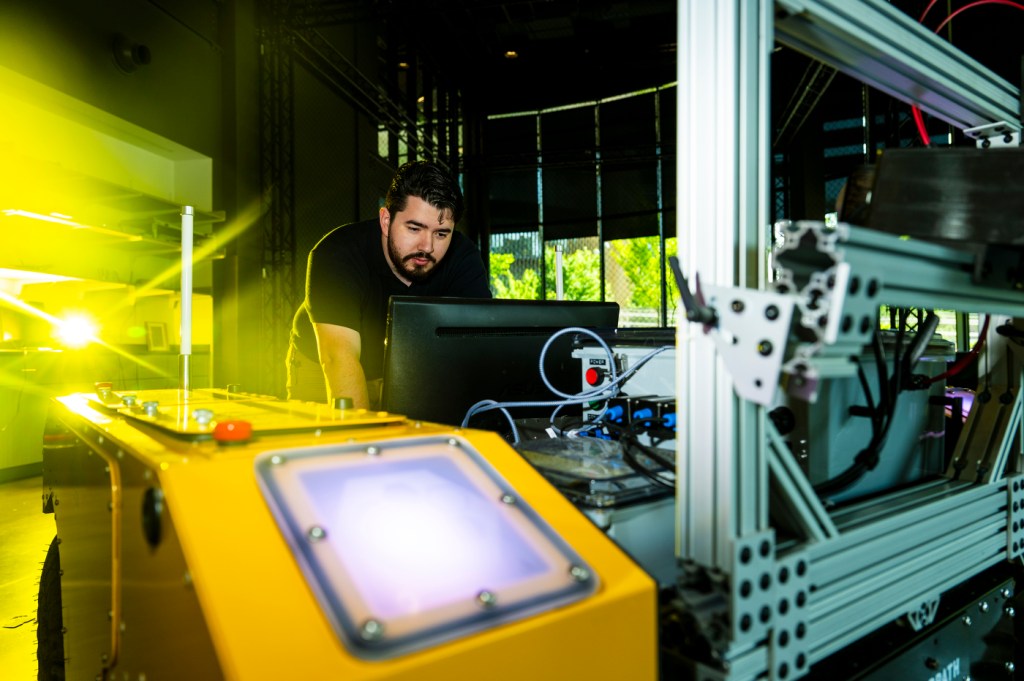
[[339, 358]]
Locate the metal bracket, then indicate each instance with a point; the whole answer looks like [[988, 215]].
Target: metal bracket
[[1015, 519], [994, 135], [789, 652], [752, 598], [751, 334], [983, 448]]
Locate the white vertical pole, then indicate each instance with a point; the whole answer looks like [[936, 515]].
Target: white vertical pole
[[184, 358], [559, 292]]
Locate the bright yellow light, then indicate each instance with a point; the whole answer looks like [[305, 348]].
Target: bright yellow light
[[39, 216], [76, 331]]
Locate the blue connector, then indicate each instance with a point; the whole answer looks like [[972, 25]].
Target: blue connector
[[645, 414], [614, 414]]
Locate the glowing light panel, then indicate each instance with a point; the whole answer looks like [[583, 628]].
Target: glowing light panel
[[417, 542]]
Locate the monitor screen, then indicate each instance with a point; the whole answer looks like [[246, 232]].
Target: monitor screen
[[443, 355]]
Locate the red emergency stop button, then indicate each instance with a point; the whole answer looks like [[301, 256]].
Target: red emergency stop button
[[230, 432], [594, 375]]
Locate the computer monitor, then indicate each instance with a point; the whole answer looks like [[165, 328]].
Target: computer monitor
[[443, 355]]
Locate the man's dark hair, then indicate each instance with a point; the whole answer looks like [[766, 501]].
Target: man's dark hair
[[428, 181]]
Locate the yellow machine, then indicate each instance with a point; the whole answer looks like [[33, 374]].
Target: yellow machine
[[206, 534]]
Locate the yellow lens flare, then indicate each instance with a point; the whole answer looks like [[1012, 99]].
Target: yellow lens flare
[[76, 331], [11, 301], [224, 236]]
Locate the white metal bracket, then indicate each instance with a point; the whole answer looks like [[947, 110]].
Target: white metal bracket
[[994, 135], [750, 336]]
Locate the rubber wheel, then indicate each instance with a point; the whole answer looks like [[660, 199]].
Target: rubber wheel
[[50, 620]]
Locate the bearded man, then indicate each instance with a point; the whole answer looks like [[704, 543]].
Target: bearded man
[[411, 248]]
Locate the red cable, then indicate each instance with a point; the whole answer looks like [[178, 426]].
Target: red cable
[[978, 3], [919, 122], [926, 10], [916, 110], [966, 359]]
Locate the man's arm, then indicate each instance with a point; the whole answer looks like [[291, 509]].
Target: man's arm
[[339, 358]]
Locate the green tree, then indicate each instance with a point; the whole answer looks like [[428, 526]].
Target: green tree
[[504, 283], [640, 260], [581, 274]]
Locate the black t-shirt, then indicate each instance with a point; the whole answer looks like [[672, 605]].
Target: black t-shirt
[[349, 282]]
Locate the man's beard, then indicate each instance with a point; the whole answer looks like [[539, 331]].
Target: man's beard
[[407, 268]]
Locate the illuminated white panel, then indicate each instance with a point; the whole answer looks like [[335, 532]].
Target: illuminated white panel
[[411, 542]]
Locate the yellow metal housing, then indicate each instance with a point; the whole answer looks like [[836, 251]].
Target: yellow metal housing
[[215, 591]]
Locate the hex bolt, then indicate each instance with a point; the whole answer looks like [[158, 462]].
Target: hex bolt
[[1010, 667], [983, 606], [737, 306], [1005, 593], [966, 619], [277, 460], [580, 574], [371, 630], [1010, 612], [203, 416], [453, 442], [316, 533], [128, 400], [373, 451], [149, 407], [508, 499], [486, 599]]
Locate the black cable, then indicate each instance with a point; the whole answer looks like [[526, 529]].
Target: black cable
[[868, 397], [629, 441], [888, 389], [883, 376], [650, 453], [643, 470]]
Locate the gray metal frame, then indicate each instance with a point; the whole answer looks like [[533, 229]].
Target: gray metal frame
[[771, 608]]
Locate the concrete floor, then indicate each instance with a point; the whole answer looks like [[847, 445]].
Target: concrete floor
[[25, 534]]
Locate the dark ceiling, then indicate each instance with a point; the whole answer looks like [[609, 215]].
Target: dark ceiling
[[580, 50], [568, 50], [573, 50]]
